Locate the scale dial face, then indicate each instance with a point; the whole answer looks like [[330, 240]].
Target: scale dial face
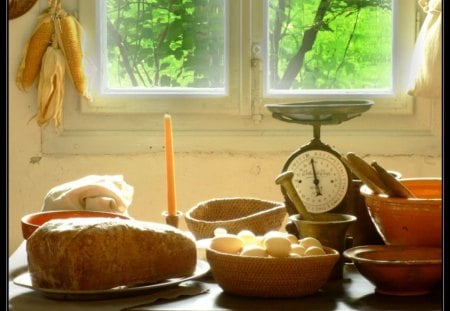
[[320, 179]]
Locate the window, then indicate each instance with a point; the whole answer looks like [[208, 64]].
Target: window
[[335, 46], [179, 46], [255, 40], [171, 70], [164, 46]]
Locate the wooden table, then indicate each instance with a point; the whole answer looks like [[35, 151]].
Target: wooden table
[[353, 292]]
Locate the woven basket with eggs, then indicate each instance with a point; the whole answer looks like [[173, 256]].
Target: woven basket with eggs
[[234, 215], [274, 265], [271, 276]]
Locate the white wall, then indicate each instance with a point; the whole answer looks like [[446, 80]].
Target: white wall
[[199, 176]]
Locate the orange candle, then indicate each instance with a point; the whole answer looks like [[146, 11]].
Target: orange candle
[[170, 169]]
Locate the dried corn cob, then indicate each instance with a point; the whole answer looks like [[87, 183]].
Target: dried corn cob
[[69, 34], [51, 86], [33, 52]]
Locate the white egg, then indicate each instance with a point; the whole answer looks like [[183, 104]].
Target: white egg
[[309, 241], [294, 255], [274, 233], [227, 243], [314, 251], [298, 249], [260, 240], [278, 246], [292, 238], [254, 250], [247, 236], [220, 231]]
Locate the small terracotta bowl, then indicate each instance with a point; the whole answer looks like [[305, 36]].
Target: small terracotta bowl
[[31, 222], [399, 270], [408, 221]]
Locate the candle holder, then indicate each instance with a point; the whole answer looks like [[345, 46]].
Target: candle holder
[[172, 220]]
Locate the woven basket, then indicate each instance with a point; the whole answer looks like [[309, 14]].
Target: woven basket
[[270, 276], [234, 215]]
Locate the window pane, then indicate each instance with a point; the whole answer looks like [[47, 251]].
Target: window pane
[[160, 44], [330, 45]]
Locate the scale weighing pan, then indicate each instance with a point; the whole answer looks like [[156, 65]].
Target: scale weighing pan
[[323, 112]]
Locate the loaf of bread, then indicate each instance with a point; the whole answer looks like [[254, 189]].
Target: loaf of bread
[[102, 253]]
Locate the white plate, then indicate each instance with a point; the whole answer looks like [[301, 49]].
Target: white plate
[[24, 280]]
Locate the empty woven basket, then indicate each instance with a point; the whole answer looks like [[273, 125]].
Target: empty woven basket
[[234, 215]]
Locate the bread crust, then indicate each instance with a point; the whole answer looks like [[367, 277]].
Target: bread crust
[[103, 253]]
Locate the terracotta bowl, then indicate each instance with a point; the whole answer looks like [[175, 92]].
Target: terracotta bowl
[[31, 222], [408, 221], [271, 276], [399, 270]]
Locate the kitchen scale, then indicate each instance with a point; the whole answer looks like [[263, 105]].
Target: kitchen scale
[[322, 181]]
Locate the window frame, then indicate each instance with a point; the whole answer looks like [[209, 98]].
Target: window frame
[[226, 123], [386, 102], [160, 101]]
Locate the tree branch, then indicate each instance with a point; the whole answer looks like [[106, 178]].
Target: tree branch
[[309, 37], [347, 46], [123, 52]]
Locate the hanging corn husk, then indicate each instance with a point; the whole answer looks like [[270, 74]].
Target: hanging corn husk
[[51, 86], [56, 43], [69, 34], [33, 52]]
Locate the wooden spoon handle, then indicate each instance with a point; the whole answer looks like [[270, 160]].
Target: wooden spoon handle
[[364, 172], [396, 187]]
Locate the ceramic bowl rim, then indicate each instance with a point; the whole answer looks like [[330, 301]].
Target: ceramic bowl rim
[[27, 220], [354, 252], [368, 193], [348, 218]]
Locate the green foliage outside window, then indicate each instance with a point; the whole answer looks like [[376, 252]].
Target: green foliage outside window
[[312, 44], [165, 43], [326, 44]]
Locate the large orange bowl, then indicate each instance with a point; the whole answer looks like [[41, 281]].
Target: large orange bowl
[[399, 270], [33, 221], [408, 221]]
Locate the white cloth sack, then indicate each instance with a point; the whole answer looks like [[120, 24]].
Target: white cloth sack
[[108, 193], [426, 70]]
